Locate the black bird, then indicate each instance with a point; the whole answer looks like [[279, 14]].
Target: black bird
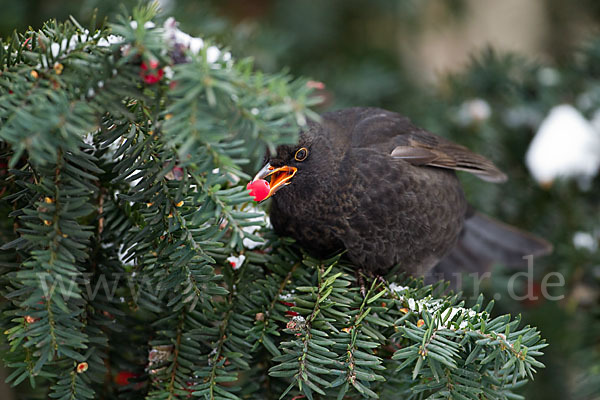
[[369, 181]]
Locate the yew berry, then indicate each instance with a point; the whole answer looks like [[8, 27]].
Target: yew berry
[[122, 378], [150, 72], [259, 189]]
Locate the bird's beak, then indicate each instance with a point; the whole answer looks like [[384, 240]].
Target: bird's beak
[[279, 177]]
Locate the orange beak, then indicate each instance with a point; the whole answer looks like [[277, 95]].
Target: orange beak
[[280, 177]]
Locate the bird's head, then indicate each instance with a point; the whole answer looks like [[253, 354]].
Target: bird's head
[[301, 166]]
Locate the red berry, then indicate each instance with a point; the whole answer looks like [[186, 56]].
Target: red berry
[[315, 85], [151, 79], [259, 189], [122, 378], [152, 64], [150, 72]]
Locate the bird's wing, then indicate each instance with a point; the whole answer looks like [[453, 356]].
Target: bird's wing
[[446, 154], [394, 133]]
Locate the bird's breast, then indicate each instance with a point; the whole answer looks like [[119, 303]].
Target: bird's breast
[[313, 218]]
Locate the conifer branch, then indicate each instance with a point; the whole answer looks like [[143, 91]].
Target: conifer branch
[[133, 140]]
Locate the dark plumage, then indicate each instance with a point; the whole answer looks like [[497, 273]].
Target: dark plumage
[[371, 182]]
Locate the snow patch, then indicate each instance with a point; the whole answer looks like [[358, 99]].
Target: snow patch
[[432, 306], [55, 49], [89, 138], [262, 220], [212, 54], [473, 111], [286, 297], [585, 240], [179, 39], [196, 44], [236, 262], [397, 288], [566, 145], [548, 76], [109, 40]]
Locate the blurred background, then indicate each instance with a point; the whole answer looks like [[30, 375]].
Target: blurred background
[[489, 74]]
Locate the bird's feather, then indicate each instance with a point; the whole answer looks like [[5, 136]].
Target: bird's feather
[[485, 241], [448, 155], [392, 132]]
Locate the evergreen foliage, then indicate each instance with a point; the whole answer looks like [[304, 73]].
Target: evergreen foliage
[[494, 105], [126, 200]]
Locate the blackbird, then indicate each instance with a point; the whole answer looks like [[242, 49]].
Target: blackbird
[[368, 181]]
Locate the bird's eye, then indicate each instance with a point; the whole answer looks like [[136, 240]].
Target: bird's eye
[[301, 154]]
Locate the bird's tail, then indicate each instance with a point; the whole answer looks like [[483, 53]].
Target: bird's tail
[[485, 241]]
